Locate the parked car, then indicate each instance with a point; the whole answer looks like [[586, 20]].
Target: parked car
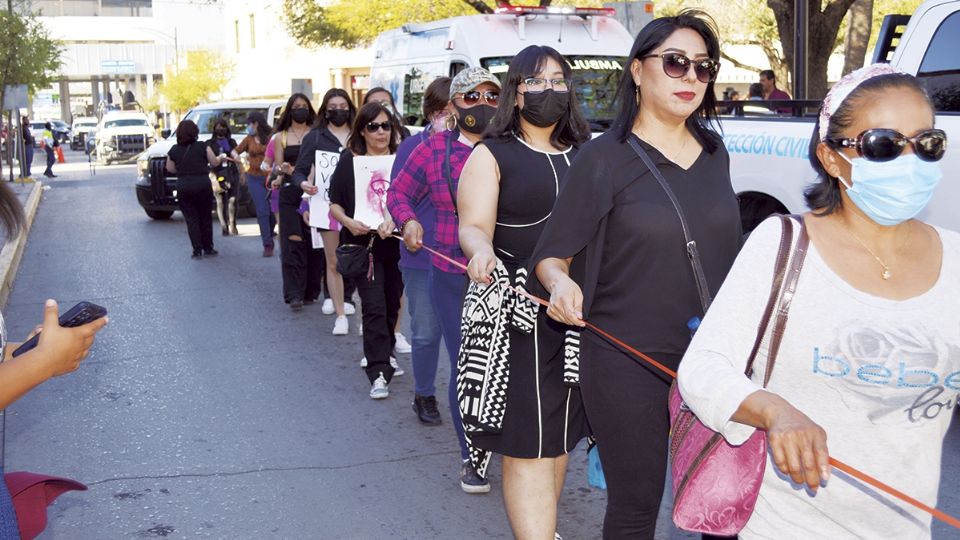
[[157, 189], [123, 135], [61, 130], [83, 126]]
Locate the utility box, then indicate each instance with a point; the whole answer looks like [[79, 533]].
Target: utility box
[[633, 15]]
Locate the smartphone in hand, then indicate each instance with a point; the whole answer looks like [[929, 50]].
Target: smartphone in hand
[[78, 315]]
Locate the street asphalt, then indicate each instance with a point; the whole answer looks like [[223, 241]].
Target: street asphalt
[[207, 409]]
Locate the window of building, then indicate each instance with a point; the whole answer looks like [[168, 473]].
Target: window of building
[[236, 35], [94, 8], [940, 69], [253, 34]]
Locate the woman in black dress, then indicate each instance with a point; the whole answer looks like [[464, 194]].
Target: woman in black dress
[[228, 176], [506, 193], [615, 231], [191, 161], [380, 289], [301, 273]]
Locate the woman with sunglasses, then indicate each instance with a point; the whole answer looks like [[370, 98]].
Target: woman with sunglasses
[[299, 264], [614, 252], [380, 291], [506, 194], [869, 364], [330, 134], [424, 189]]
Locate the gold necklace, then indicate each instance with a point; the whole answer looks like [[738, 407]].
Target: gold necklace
[[683, 145], [886, 274]]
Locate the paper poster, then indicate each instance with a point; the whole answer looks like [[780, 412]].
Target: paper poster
[[324, 165], [371, 181]]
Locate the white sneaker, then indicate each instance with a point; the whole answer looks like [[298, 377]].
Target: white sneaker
[[327, 308], [341, 326], [402, 346], [379, 389], [397, 370], [363, 362], [348, 308]]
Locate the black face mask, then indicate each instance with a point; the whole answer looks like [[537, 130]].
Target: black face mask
[[300, 115], [338, 117], [220, 133], [475, 119], [544, 109]]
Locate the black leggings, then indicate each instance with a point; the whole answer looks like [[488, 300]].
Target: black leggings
[[626, 405]]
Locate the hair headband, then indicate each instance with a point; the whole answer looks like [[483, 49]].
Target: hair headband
[[844, 87]]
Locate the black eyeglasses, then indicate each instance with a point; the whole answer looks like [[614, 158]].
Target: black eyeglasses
[[676, 65], [473, 97], [888, 144], [372, 127]]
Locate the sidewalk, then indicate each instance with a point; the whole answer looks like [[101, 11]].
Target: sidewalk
[[12, 250]]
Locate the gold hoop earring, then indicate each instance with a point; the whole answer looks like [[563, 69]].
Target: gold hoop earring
[[450, 123]]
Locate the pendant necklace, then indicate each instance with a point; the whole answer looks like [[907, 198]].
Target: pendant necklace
[[886, 274]]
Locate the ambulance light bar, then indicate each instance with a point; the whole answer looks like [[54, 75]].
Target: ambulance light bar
[[554, 10]]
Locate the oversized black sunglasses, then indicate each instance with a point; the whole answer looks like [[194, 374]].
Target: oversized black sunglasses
[[887, 144], [372, 127], [676, 65], [473, 97]]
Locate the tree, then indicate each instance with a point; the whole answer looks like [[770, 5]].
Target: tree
[[351, 23], [859, 25], [204, 74]]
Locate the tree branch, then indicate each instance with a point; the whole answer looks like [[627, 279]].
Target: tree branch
[[480, 6], [737, 63]]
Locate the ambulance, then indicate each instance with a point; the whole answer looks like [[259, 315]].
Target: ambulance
[[593, 42]]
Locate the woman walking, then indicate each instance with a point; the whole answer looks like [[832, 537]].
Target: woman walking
[[296, 253], [228, 176], [330, 134], [422, 199], [382, 286], [505, 198], [191, 161], [869, 356], [255, 146], [615, 229]]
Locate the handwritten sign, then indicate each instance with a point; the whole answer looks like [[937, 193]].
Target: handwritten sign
[[324, 165], [371, 181]]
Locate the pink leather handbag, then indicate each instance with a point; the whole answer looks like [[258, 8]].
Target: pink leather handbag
[[715, 484]]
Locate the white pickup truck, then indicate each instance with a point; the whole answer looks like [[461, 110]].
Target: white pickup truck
[[769, 154]]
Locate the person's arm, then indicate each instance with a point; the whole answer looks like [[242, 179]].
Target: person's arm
[[60, 351], [408, 188], [477, 196], [711, 375], [171, 166], [566, 297], [244, 145], [305, 161], [212, 159]]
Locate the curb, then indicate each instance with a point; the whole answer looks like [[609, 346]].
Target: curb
[[12, 252]]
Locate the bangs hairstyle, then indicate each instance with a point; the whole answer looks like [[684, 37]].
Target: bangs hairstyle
[[570, 130], [286, 118], [322, 121], [704, 118], [263, 128], [436, 97], [187, 132], [368, 113], [823, 196], [377, 90]]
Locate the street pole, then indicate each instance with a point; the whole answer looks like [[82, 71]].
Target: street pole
[[801, 18]]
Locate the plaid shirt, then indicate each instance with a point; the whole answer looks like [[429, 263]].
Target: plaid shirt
[[423, 176]]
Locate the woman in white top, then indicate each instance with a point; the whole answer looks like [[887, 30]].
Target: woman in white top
[[869, 367]]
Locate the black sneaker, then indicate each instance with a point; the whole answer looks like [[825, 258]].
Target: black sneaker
[[196, 255], [470, 481], [210, 252], [296, 304], [426, 409]]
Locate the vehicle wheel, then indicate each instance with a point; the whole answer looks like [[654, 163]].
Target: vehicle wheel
[[756, 207], [159, 214]]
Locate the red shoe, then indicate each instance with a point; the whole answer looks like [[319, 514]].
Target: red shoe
[[268, 251]]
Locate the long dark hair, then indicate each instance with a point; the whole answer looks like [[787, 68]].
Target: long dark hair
[[263, 129], [220, 122], [570, 130], [11, 211], [286, 118], [823, 196], [368, 113], [187, 132], [322, 111], [701, 122]]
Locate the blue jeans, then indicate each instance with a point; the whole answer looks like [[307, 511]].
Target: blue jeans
[[425, 328], [258, 192], [29, 151], [447, 292], [51, 159]]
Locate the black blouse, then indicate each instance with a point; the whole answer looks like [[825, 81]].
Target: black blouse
[[629, 253], [342, 192], [191, 160]]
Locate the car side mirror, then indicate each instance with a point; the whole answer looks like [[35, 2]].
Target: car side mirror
[[165, 133]]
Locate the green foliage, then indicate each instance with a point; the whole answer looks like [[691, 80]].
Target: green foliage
[[351, 23], [882, 8], [27, 53], [204, 74]]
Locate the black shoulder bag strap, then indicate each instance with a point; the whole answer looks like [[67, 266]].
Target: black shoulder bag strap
[[692, 254], [448, 171]]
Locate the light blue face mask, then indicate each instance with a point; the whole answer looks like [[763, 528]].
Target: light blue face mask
[[251, 130], [891, 192]]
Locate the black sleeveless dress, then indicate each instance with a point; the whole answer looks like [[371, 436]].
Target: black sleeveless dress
[[543, 416]]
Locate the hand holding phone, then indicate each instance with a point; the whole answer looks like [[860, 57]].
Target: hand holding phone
[[78, 315]]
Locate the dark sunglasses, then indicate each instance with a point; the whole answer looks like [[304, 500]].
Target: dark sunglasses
[[474, 97], [888, 144], [372, 127], [676, 65]]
